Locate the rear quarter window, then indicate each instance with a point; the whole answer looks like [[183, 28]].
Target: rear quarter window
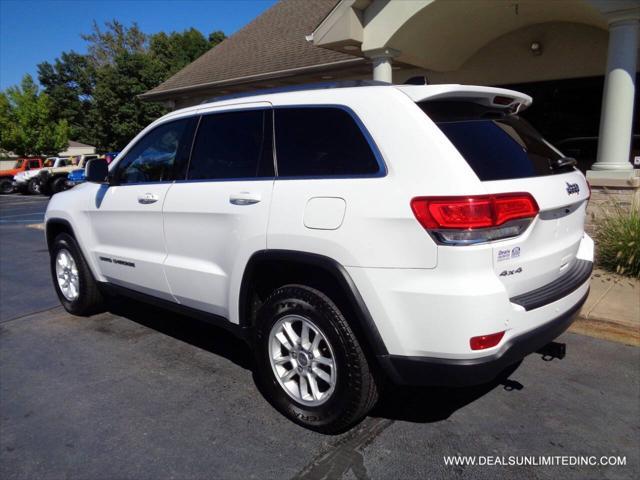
[[321, 142]]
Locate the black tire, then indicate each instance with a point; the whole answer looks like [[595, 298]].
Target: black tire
[[6, 186], [355, 391], [58, 185], [89, 300], [33, 187]]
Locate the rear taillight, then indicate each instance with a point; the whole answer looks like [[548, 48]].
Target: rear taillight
[[475, 219]]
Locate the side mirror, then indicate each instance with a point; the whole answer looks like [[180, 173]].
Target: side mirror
[[96, 171]]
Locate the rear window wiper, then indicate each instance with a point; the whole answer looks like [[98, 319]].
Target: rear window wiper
[[562, 162]]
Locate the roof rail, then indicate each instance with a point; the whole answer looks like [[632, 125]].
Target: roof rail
[[299, 88]]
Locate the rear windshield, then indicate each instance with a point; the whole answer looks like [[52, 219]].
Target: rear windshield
[[497, 146]]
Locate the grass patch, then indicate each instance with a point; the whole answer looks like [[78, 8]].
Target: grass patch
[[618, 241]]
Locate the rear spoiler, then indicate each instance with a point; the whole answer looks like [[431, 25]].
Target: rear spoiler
[[492, 97]]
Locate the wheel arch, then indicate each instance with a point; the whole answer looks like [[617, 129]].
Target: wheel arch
[[56, 226], [270, 269]]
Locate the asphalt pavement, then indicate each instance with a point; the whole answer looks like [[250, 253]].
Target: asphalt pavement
[[139, 393], [25, 284]]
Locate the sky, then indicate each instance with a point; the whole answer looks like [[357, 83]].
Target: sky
[[34, 31]]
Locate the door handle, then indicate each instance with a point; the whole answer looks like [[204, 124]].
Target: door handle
[[147, 198], [244, 198]]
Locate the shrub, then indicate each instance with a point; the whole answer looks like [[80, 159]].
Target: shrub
[[618, 241]]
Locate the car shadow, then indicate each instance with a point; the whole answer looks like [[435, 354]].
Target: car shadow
[[186, 329], [434, 404], [410, 404]]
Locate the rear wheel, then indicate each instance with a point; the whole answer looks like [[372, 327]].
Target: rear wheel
[[6, 186], [73, 281], [58, 185], [310, 363]]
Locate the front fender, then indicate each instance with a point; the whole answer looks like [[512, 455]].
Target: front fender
[[70, 208]]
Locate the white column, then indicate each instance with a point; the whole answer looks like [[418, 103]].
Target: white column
[[382, 69], [616, 119], [382, 63]]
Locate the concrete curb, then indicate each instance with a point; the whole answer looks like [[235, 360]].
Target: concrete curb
[[612, 310], [607, 330]]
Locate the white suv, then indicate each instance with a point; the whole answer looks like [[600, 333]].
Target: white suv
[[421, 234]]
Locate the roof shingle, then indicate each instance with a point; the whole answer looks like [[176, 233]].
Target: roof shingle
[[274, 41]]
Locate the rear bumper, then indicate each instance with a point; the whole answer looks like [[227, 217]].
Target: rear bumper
[[465, 372], [579, 273]]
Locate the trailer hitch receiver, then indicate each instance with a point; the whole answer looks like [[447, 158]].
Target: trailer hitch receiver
[[553, 350]]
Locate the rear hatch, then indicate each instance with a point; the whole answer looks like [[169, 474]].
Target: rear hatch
[[510, 157]]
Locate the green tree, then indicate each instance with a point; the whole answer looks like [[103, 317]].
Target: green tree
[[5, 120], [117, 39], [216, 37], [177, 49], [28, 127], [119, 114], [69, 82], [96, 93]]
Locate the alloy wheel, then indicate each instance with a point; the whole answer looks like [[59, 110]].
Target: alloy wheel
[[302, 360], [67, 275]]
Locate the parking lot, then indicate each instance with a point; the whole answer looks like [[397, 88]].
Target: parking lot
[[141, 393]]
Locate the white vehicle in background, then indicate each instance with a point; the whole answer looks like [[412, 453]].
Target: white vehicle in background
[[27, 182], [423, 234]]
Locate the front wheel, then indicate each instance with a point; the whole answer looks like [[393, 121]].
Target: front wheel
[[72, 279], [33, 186], [309, 361]]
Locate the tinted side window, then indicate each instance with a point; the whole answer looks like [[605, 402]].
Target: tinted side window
[[152, 159], [34, 164], [324, 141], [233, 145]]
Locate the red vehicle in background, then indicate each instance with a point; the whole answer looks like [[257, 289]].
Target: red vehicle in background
[[6, 176]]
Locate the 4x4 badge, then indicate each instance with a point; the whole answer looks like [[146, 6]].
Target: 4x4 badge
[[572, 188], [506, 273]]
